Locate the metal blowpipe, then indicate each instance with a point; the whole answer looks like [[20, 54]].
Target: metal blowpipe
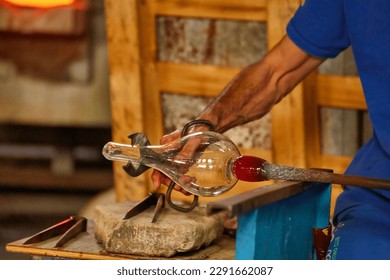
[[253, 169]]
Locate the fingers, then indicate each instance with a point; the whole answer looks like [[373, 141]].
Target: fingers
[[180, 189], [185, 181], [189, 148], [159, 179], [186, 153], [156, 179], [170, 137]]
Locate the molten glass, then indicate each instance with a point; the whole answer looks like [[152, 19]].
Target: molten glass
[[201, 163], [250, 169]]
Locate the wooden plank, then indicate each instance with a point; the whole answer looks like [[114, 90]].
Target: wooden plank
[[201, 80], [257, 198], [124, 58], [151, 105], [340, 91], [336, 191], [125, 85], [253, 10], [85, 247], [311, 122], [288, 131], [336, 163], [152, 111]]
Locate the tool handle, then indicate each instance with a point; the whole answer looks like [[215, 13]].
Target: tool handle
[[358, 181], [280, 172]]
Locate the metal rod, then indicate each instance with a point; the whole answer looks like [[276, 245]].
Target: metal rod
[[280, 172]]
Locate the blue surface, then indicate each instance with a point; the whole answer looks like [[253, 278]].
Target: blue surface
[[283, 230]]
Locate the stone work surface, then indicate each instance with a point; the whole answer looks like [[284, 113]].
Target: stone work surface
[[172, 233]]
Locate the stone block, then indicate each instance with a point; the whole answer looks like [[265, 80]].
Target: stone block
[[174, 232]]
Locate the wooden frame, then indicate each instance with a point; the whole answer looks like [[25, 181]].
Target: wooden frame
[[339, 92], [137, 78]]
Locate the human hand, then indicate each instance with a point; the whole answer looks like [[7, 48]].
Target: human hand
[[186, 152], [158, 178]]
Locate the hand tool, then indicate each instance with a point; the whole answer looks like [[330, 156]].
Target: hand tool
[[68, 228], [156, 199], [135, 169]]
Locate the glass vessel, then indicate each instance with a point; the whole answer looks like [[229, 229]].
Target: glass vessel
[[201, 163]]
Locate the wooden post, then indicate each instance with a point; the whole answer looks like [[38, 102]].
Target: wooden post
[[125, 86], [151, 92]]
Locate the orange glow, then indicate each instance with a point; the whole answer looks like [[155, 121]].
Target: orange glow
[[40, 3]]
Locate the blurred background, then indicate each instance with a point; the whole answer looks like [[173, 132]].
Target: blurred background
[[54, 114]]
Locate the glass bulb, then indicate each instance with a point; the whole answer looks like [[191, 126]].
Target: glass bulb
[[201, 163]]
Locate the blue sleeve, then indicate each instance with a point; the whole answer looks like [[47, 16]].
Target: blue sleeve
[[319, 28]]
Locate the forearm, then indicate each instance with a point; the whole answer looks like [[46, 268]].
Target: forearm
[[258, 87], [247, 97]]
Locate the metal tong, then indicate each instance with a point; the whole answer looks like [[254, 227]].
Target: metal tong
[[141, 140], [153, 199], [68, 228]]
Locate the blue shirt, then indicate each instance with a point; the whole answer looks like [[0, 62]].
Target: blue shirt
[[324, 28]]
